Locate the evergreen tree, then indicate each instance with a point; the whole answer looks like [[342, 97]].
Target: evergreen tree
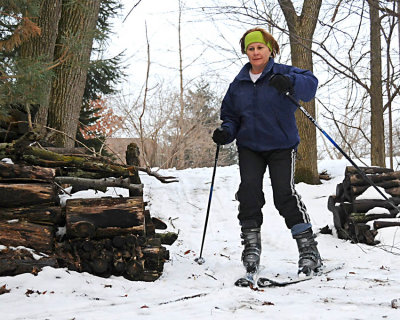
[[26, 72]]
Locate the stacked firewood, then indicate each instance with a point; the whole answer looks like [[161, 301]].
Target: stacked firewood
[[102, 236], [350, 215]]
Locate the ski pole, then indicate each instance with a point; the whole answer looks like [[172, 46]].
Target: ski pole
[[200, 259], [366, 178]]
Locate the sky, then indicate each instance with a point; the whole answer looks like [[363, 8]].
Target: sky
[[161, 19]]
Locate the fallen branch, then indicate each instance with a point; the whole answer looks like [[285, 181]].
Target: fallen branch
[[167, 179], [79, 184], [185, 298]]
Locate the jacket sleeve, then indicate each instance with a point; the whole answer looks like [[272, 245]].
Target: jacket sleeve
[[230, 119], [304, 83]]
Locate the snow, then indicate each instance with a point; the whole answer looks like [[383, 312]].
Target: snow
[[363, 289]]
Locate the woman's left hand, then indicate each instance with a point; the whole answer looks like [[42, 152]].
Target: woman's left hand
[[281, 83]]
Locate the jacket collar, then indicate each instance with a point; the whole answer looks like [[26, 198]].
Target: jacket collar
[[244, 75]]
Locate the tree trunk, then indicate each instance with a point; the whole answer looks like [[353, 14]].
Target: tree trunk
[[375, 91], [42, 47], [74, 45], [301, 31]]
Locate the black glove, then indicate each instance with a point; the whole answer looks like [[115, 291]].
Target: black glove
[[221, 135], [281, 83]]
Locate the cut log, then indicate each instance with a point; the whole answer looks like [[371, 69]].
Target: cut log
[[12, 172], [23, 233], [364, 218], [79, 173], [358, 180], [79, 184], [367, 170], [25, 194], [339, 221], [167, 238], [105, 217], [332, 200], [394, 192], [17, 261], [364, 205], [45, 158], [68, 151], [339, 197], [50, 159], [154, 258], [150, 275], [159, 224], [360, 233], [42, 214], [132, 159], [385, 224], [150, 228]]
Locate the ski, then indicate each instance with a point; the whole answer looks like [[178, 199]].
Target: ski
[[264, 282]]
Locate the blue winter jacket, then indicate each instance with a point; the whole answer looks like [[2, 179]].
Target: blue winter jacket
[[257, 115]]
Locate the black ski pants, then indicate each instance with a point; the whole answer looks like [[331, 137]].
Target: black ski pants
[[281, 165]]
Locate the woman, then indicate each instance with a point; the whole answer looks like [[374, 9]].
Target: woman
[[256, 112]]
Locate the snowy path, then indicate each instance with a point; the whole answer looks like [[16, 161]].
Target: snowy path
[[363, 289]]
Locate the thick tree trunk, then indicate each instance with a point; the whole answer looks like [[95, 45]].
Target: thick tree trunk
[[42, 47], [75, 37], [377, 123], [301, 31]]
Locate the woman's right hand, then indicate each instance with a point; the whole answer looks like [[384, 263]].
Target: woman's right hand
[[221, 135]]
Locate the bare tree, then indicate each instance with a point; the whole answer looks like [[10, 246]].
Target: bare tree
[[301, 31], [377, 127]]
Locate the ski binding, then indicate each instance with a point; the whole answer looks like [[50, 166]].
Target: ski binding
[[247, 281]]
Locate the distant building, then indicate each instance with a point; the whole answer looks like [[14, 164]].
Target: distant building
[[118, 146]]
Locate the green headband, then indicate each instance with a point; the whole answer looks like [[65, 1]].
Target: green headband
[[255, 36]]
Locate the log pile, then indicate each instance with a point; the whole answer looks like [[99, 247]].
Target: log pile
[[102, 236], [350, 215]]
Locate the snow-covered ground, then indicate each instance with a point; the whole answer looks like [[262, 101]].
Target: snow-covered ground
[[363, 289]]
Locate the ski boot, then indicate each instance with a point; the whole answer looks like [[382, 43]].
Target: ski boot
[[250, 255], [310, 261]]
